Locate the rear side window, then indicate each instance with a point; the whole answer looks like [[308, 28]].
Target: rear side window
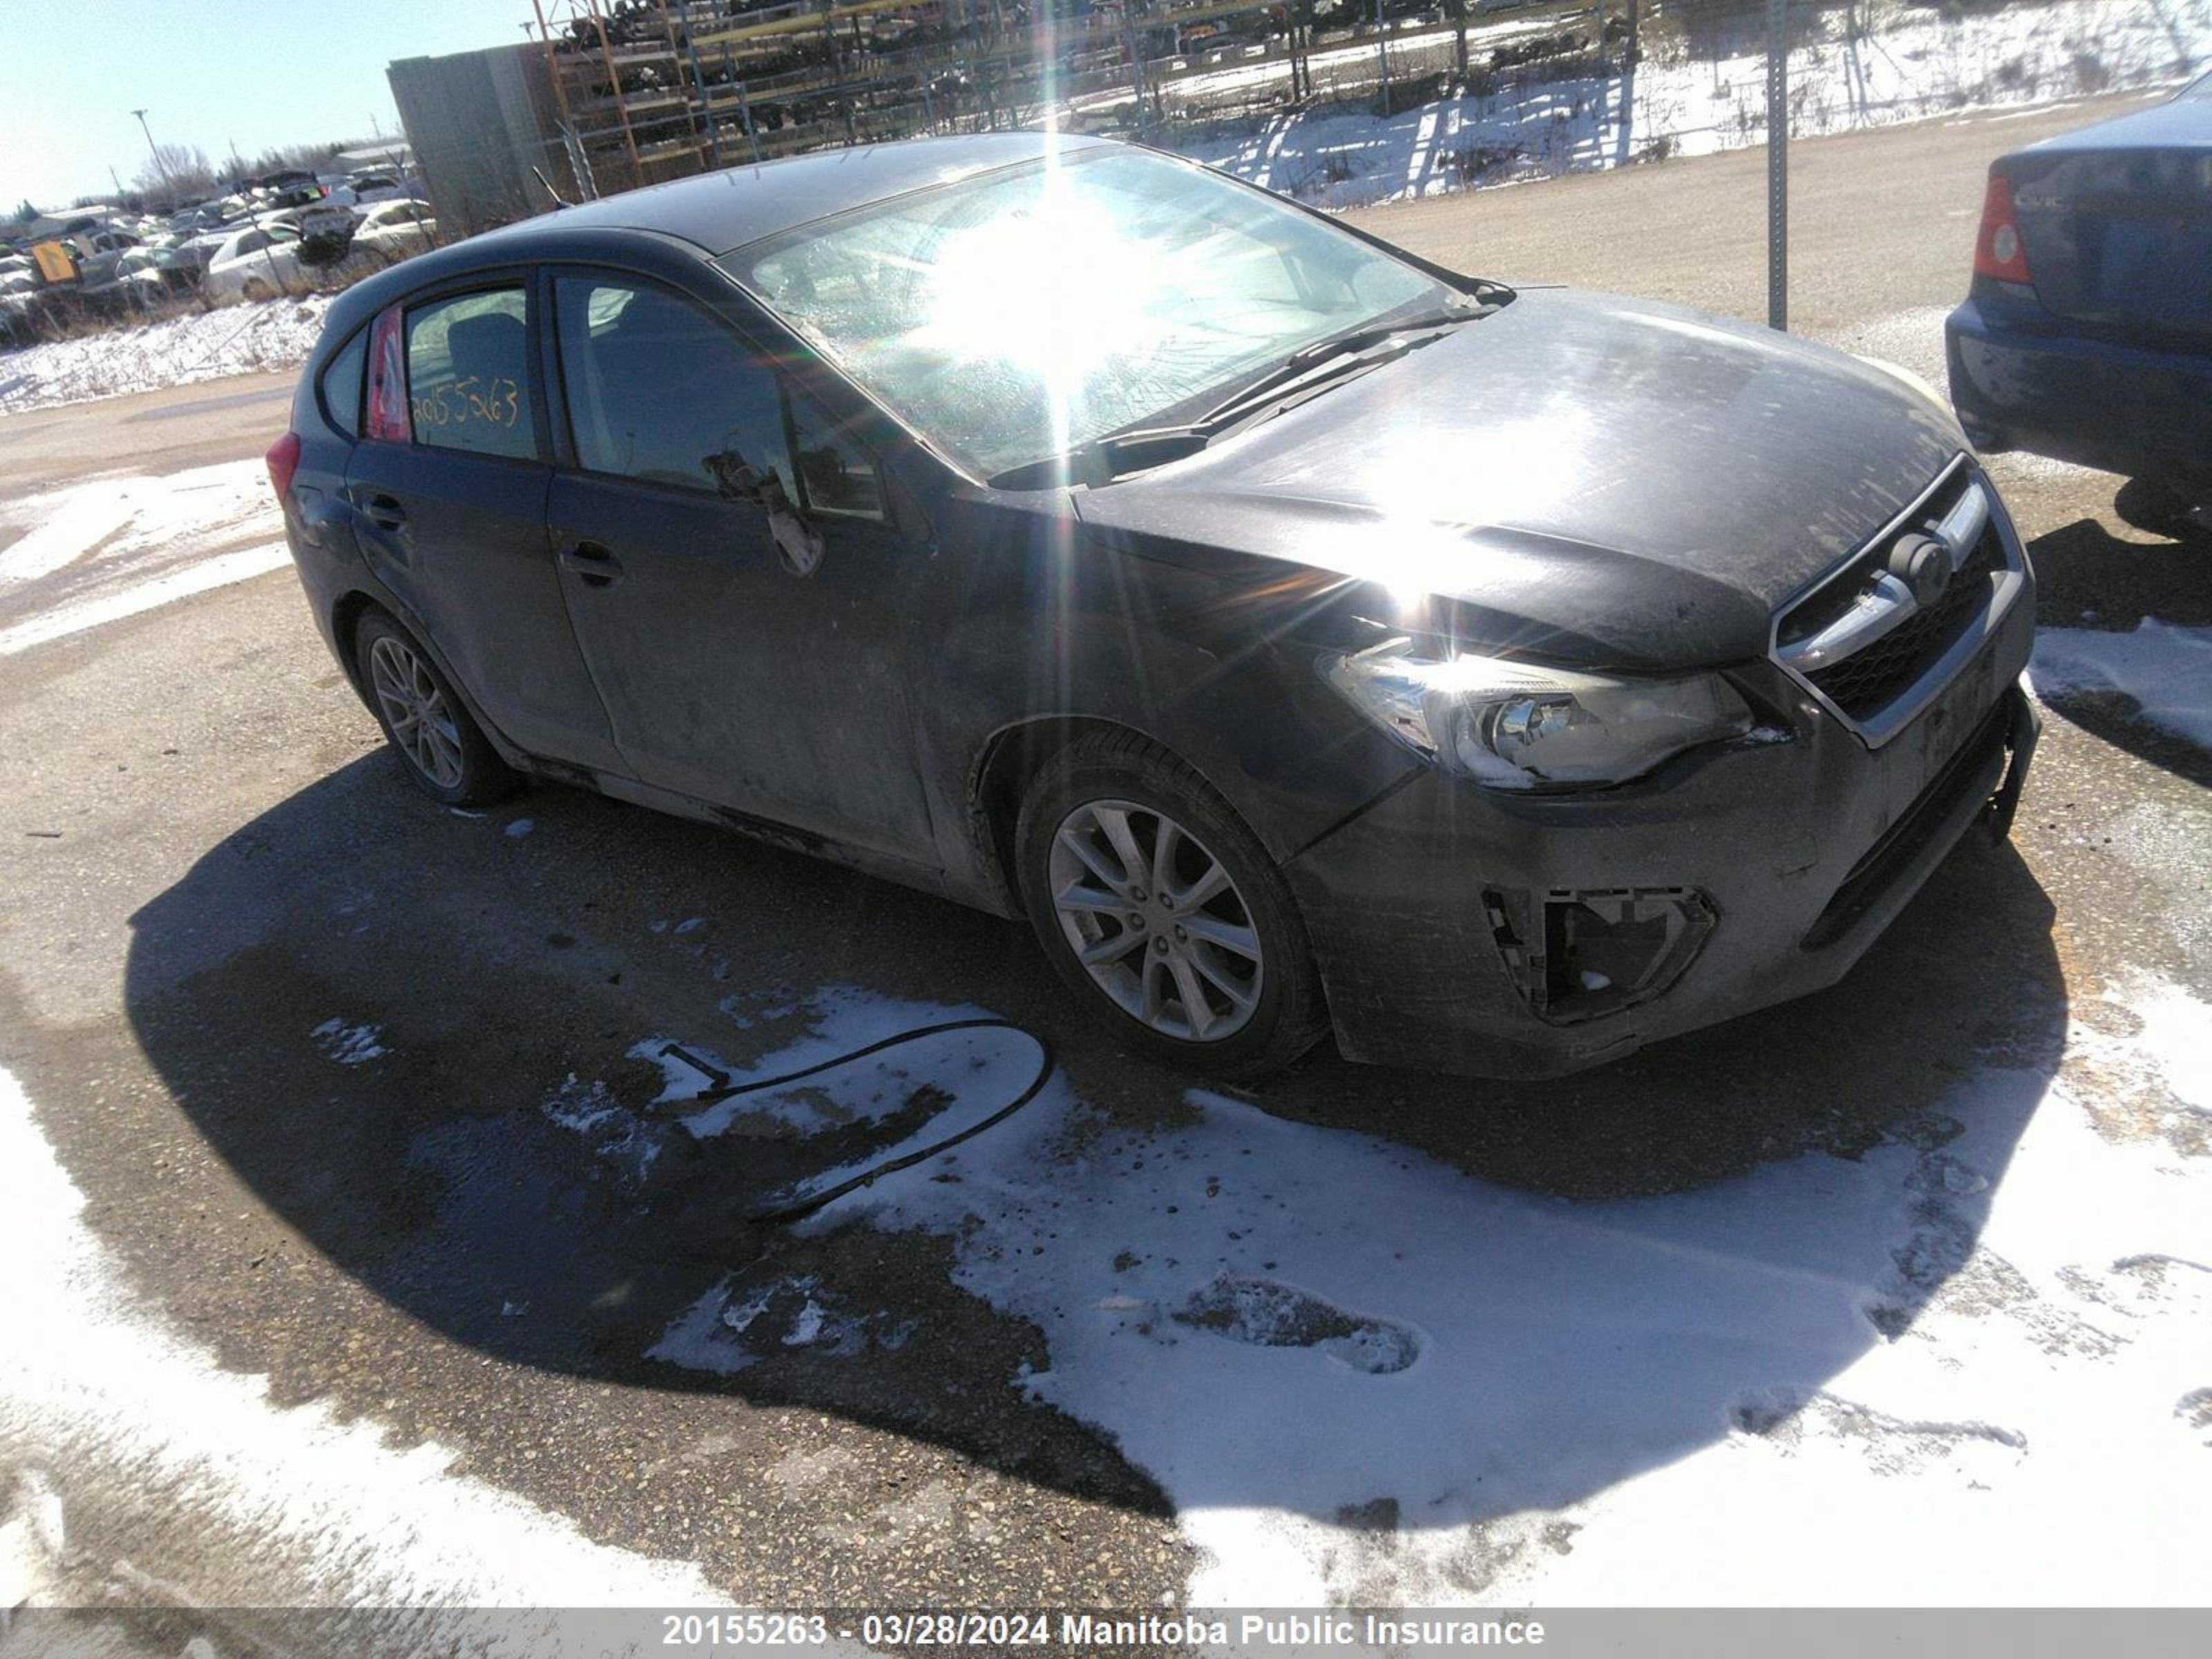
[[657, 389], [342, 385], [468, 375]]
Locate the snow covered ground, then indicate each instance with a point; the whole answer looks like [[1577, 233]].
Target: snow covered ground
[[1913, 62], [2165, 668], [105, 1401], [200, 345], [1973, 1366], [92, 553]]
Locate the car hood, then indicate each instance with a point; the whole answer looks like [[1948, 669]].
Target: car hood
[[1597, 481]]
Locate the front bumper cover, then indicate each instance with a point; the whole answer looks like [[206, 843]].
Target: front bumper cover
[[1804, 851]]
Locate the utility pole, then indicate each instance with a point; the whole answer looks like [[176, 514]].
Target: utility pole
[[160, 171], [1382, 44], [1777, 165]]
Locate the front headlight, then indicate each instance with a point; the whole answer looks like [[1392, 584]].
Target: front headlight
[[1516, 726]]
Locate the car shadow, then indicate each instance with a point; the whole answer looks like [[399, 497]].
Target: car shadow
[[2087, 577], [434, 1046]]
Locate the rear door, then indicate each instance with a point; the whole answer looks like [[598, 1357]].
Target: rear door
[[768, 677], [447, 490]]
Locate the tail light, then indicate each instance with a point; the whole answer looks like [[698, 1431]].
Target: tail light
[[283, 459], [1998, 250], [387, 416]]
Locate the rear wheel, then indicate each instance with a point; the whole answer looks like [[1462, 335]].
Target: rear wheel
[[1162, 913], [2163, 508], [445, 752], [256, 289]]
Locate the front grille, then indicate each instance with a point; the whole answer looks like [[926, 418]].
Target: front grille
[[1868, 681]]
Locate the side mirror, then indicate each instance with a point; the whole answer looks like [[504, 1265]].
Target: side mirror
[[798, 544]]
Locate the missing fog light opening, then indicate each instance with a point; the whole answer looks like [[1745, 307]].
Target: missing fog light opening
[[1578, 955]]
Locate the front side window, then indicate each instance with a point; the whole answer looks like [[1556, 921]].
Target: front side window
[[659, 390], [468, 375], [1013, 315], [835, 473]]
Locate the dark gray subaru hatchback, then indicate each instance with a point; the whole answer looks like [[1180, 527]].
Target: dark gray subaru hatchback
[[1301, 636]]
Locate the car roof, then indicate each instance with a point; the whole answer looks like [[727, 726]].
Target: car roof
[[709, 214], [719, 211]]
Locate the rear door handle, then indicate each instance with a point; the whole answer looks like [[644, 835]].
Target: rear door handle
[[382, 511], [593, 565]]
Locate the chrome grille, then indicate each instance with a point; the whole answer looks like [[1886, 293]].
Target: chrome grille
[[1872, 649]]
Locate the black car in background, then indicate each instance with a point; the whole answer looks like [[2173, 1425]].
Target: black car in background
[[1303, 637], [2087, 332]]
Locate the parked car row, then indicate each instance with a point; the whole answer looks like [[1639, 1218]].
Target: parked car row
[[285, 235]]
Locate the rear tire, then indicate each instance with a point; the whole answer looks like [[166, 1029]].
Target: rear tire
[[256, 290], [2163, 509], [1163, 914], [441, 747]]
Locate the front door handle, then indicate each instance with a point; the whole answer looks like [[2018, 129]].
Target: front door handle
[[593, 565]]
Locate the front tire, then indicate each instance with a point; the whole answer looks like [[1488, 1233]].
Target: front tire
[[1162, 913], [443, 751]]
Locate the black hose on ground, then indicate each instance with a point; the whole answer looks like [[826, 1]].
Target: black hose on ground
[[776, 1214]]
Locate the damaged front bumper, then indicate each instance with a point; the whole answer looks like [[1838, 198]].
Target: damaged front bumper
[[1465, 930]]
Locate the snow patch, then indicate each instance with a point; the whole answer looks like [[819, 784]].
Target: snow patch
[[350, 1045], [200, 578], [207, 345], [734, 1326], [272, 1507], [1362, 1377], [2165, 667], [1911, 65]]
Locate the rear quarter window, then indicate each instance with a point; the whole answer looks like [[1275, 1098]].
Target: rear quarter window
[[341, 384]]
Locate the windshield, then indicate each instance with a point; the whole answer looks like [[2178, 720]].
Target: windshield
[[1011, 317]]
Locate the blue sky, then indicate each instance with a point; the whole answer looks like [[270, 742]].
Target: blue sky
[[212, 72]]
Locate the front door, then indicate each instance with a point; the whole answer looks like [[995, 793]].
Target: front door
[[744, 613], [447, 491]]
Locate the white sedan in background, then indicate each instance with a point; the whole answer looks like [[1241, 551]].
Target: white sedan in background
[[256, 262], [397, 229]]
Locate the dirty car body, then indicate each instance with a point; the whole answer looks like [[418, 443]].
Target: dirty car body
[[1583, 672]]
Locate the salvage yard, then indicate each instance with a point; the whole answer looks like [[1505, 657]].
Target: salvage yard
[[364, 1237]]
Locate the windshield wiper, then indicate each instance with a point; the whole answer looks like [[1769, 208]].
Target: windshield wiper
[[1308, 369], [1341, 353], [1102, 460]]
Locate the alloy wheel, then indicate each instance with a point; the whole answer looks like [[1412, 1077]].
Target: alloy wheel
[[1156, 921], [416, 709]]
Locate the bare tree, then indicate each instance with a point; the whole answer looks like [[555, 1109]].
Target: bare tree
[[177, 170]]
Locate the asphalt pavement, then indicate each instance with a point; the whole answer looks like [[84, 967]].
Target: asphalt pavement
[[216, 897]]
